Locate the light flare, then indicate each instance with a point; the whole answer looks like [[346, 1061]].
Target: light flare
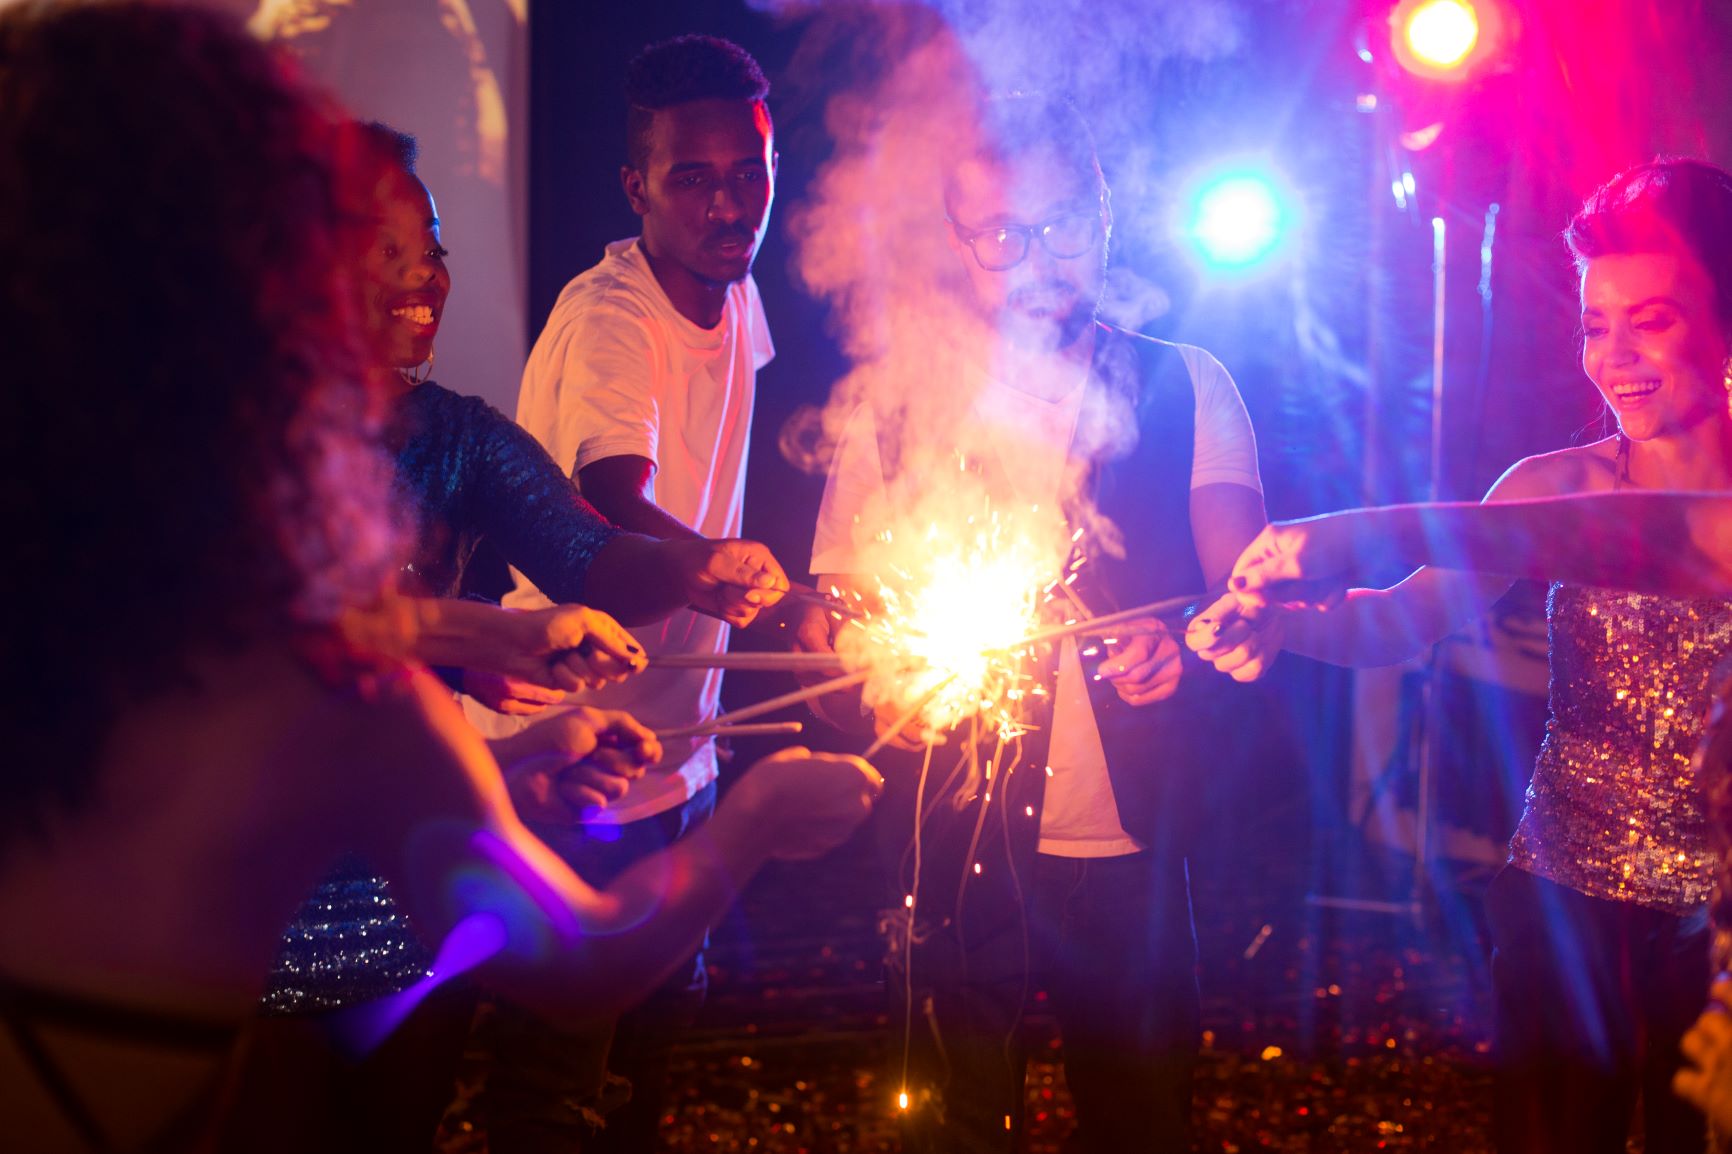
[[1442, 32], [954, 602]]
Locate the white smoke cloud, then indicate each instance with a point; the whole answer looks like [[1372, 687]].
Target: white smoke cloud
[[902, 83]]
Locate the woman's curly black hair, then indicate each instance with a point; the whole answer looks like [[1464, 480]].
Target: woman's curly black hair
[[188, 458]]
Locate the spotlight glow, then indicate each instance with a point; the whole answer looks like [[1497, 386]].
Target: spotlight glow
[[1442, 32], [1450, 40], [1237, 219]]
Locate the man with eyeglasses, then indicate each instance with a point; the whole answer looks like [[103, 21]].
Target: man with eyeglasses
[[1077, 886]]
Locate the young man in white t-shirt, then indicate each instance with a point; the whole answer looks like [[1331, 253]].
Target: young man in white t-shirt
[[641, 384], [1105, 910]]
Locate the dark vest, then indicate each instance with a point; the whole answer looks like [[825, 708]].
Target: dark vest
[[1146, 492]]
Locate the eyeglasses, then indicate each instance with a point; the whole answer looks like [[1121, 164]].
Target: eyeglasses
[[1004, 246]]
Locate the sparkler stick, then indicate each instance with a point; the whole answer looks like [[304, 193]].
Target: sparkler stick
[[829, 601], [761, 729], [810, 693], [889, 735], [1096, 625], [792, 662], [1083, 612]]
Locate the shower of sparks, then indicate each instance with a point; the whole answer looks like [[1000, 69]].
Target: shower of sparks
[[954, 599]]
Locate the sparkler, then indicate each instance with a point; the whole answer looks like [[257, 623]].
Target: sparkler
[[939, 645], [832, 601], [1102, 625], [760, 729], [762, 662], [810, 693], [951, 630]]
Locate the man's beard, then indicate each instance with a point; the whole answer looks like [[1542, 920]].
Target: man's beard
[[1051, 331]]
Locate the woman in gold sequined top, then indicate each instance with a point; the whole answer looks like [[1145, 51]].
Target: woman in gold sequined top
[[1599, 922]]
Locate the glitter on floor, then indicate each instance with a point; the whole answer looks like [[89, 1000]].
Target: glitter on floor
[[1331, 1032]]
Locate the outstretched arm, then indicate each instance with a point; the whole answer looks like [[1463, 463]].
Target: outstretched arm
[[1679, 543], [644, 579], [1388, 626], [445, 833], [623, 489], [1367, 627], [544, 527], [562, 648]]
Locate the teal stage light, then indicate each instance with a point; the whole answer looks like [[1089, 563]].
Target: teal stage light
[[1238, 219]]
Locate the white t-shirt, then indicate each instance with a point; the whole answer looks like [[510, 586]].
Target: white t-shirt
[[618, 371], [1079, 817]]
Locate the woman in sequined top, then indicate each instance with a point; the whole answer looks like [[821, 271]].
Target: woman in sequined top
[[1599, 922], [188, 742]]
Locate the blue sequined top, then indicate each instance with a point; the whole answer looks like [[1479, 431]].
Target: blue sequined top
[[464, 472]]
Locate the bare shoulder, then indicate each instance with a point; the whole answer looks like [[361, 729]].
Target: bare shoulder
[[410, 712], [1579, 469]]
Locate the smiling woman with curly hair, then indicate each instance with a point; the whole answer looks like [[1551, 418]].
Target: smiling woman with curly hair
[[193, 495], [187, 463]]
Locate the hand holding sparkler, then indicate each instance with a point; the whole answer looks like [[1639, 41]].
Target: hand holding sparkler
[[732, 579], [556, 650], [848, 602], [1240, 640], [1143, 663], [530, 659], [1307, 562], [582, 648], [807, 803], [806, 620], [578, 759]]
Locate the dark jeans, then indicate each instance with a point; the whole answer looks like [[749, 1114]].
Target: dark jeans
[[556, 1090], [1592, 999], [1111, 942]]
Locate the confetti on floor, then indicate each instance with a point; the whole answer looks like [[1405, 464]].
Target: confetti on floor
[[1325, 1030]]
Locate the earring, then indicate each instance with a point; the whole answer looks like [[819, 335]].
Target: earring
[[420, 372]]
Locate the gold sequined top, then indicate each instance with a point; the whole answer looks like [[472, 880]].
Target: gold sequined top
[[1613, 809]]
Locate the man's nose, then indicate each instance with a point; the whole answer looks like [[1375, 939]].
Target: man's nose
[[725, 206], [1037, 265]]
